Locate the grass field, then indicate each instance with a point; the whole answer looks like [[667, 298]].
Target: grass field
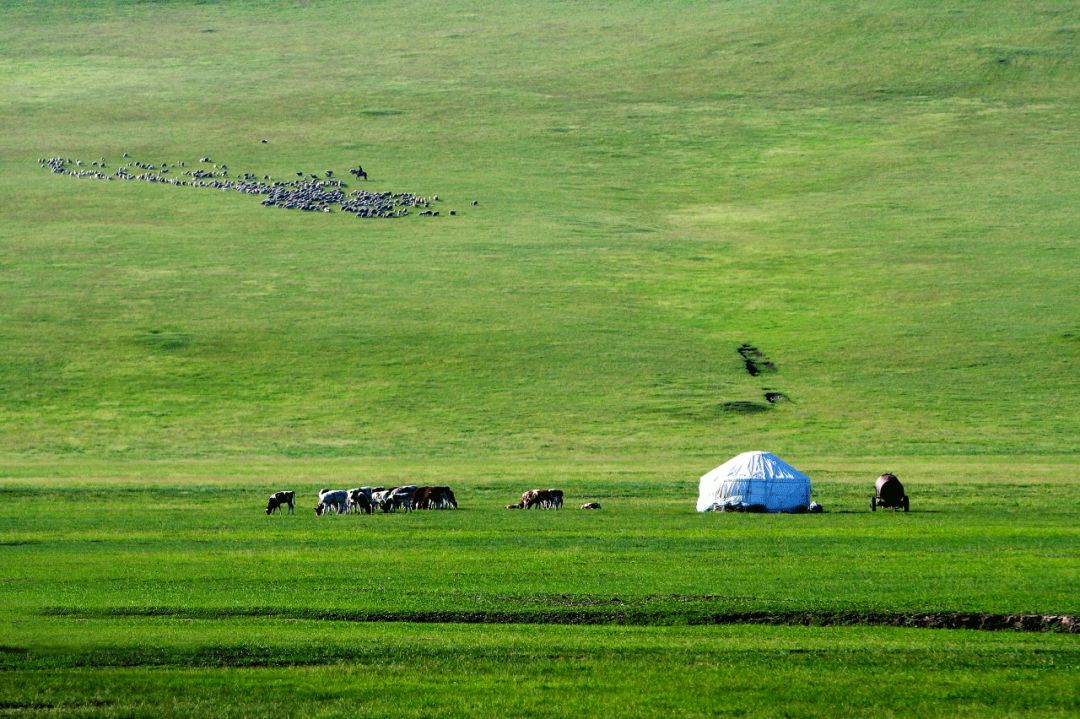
[[196, 603], [880, 197]]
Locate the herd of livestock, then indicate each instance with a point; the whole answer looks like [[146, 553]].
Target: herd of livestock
[[309, 192], [365, 500]]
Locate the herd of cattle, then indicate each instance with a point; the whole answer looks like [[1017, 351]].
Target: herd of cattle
[[365, 500], [310, 192]]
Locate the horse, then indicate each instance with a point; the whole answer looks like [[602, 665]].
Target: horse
[[359, 172]]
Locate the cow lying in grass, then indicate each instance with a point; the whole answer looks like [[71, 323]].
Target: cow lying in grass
[[542, 498], [277, 499]]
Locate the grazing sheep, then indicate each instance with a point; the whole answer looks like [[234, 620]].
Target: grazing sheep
[[307, 193]]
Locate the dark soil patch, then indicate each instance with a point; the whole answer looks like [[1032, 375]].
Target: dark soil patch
[[628, 616], [164, 339], [4, 649], [743, 407], [755, 361]]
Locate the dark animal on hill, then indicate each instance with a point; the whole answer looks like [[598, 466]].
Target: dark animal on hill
[[277, 499], [358, 171], [434, 498], [554, 499], [360, 500]]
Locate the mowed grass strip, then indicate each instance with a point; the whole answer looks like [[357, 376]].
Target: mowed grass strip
[[285, 668]]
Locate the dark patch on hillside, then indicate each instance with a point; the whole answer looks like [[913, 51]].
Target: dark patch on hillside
[[633, 614], [4, 649], [164, 339], [755, 361], [65, 708], [744, 407]]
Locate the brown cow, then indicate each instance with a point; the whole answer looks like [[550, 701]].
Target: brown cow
[[434, 498], [543, 498]]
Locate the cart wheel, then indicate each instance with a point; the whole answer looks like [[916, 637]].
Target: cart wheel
[[906, 503], [873, 504]]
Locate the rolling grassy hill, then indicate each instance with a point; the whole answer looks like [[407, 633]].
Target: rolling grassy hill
[[879, 198]]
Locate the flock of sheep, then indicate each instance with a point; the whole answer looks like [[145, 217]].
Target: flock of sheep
[[309, 192], [364, 500]]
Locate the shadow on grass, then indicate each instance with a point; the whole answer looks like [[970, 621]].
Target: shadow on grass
[[630, 613]]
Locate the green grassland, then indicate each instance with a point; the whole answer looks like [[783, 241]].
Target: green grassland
[[881, 197], [196, 603]]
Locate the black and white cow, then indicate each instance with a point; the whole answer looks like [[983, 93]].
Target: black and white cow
[[277, 499], [360, 500], [332, 500]]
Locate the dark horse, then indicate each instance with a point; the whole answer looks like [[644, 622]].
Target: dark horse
[[359, 172]]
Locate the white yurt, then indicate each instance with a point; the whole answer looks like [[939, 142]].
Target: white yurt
[[755, 480]]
